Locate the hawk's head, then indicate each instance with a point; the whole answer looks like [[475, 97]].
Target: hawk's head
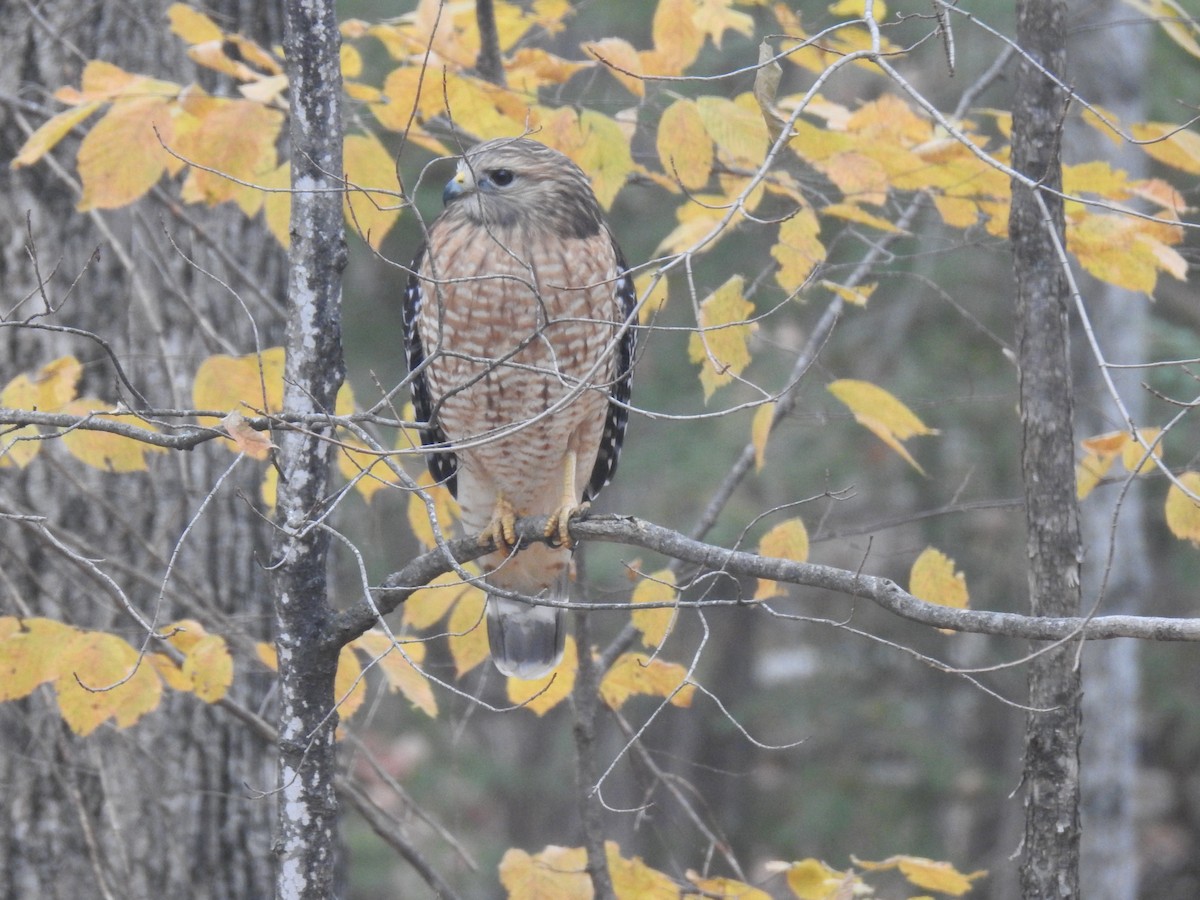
[[519, 183]]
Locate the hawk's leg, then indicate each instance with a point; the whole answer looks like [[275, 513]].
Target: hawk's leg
[[557, 525], [503, 525]]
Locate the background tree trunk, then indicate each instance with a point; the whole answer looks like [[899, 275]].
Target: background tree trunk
[[1107, 70], [170, 807]]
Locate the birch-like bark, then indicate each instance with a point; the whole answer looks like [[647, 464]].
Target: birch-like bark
[[307, 841]]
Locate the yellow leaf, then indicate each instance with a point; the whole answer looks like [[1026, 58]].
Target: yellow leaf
[[655, 300], [369, 165], [543, 694], [31, 653], [104, 450], [209, 668], [401, 674], [633, 674], [1091, 469], [632, 878], [760, 431], [1096, 177], [349, 688], [531, 68], [858, 8], [799, 249], [192, 26], [356, 459], [427, 606], [352, 61], [267, 655], [557, 873], [787, 540], [1106, 246], [726, 888], [50, 132], [811, 879], [56, 383], [468, 638], [655, 624], [254, 382], [619, 58], [120, 158], [596, 143], [91, 666], [852, 212], [1170, 146], [715, 17], [267, 90], [169, 672], [721, 344], [445, 510], [1133, 451], [858, 296], [104, 81], [934, 580], [926, 873], [277, 202], [677, 38], [270, 487], [684, 147], [881, 413], [235, 141], [1182, 512], [736, 127]]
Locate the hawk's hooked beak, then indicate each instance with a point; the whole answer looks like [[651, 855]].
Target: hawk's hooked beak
[[456, 186]]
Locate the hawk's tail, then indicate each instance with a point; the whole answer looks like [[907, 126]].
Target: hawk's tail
[[527, 641]]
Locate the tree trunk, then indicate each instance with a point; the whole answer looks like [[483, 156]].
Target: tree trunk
[[180, 804], [1050, 854], [1109, 70]]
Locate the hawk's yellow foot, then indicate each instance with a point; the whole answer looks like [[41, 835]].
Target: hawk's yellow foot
[[560, 519], [503, 526]]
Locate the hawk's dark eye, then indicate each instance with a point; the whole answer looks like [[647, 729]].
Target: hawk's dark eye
[[502, 177]]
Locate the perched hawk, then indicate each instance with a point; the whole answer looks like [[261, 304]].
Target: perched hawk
[[517, 325]]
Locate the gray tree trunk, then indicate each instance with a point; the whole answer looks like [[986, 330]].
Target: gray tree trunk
[[1050, 852], [170, 807], [1108, 68]]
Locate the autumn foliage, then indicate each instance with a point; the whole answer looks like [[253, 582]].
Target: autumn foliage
[[725, 164]]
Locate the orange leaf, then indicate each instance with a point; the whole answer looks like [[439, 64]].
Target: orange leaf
[[255, 444]]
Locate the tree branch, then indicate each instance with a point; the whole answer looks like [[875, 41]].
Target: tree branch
[[883, 592]]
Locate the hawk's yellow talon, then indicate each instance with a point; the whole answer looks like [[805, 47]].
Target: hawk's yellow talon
[[502, 529], [558, 525]]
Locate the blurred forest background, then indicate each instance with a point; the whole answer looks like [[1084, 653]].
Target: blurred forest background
[[842, 731], [895, 755]]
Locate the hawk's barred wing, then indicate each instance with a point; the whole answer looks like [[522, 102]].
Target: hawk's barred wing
[[443, 464]]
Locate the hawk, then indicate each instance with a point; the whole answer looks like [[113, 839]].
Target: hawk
[[519, 335]]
